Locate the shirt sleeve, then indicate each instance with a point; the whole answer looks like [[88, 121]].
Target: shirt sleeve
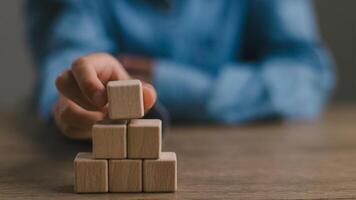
[[59, 31], [290, 76]]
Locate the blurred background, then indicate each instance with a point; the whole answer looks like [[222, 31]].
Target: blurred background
[[337, 20]]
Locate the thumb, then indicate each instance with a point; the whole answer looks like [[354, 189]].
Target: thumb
[[149, 96]]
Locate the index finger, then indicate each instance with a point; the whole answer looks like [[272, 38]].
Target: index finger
[[92, 72]]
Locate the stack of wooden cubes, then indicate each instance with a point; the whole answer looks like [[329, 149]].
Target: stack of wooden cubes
[[126, 153]]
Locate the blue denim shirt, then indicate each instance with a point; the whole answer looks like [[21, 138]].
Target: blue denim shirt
[[215, 60]]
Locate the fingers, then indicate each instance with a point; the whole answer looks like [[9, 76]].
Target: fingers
[[149, 96], [78, 117], [85, 85], [92, 72], [74, 121], [68, 87]]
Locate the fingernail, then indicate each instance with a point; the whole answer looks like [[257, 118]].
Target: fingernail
[[99, 99]]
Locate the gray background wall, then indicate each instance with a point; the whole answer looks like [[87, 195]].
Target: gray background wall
[[337, 21]]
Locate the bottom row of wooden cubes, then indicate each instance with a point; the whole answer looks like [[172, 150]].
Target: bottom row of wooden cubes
[[97, 175]]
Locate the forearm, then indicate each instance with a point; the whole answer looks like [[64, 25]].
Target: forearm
[[292, 84], [237, 93], [182, 88], [58, 38]]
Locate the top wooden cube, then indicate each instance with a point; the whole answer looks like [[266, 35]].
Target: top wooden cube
[[125, 99]]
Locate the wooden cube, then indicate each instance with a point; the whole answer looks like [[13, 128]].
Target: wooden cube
[[144, 138], [90, 175], [160, 175], [109, 140], [125, 99], [125, 176]]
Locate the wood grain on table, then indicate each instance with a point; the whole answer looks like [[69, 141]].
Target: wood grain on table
[[277, 160]]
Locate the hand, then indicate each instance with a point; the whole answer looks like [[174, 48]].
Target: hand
[[83, 99], [138, 67], [74, 121]]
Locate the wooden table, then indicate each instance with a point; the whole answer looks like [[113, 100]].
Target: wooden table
[[279, 160]]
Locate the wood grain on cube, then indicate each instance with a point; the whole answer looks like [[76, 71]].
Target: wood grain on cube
[[90, 175], [109, 140], [144, 138], [160, 175], [125, 99], [125, 175]]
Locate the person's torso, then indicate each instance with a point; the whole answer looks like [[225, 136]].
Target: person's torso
[[203, 33]]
